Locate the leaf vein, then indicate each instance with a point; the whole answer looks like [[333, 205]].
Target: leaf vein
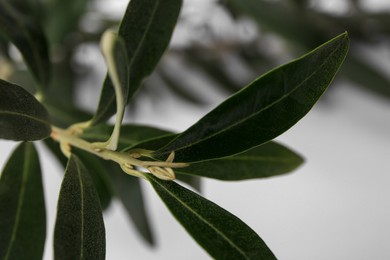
[[205, 221]]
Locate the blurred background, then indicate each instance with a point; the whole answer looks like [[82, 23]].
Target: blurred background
[[333, 207]]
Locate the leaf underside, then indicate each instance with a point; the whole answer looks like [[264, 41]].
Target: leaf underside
[[79, 230], [22, 117], [22, 206]]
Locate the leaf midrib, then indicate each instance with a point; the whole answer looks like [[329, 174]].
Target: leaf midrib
[[262, 110], [27, 161], [82, 210], [141, 43], [204, 220], [25, 115]]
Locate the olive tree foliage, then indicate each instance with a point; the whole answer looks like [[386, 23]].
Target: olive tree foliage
[[232, 142]]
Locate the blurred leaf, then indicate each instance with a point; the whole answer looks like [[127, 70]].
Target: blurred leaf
[[79, 229], [146, 29], [54, 147], [296, 25], [214, 68], [63, 17], [63, 114], [129, 191], [193, 181], [29, 38], [99, 176], [263, 110], [173, 83], [130, 134], [267, 160], [22, 206], [22, 117], [221, 234], [362, 74]]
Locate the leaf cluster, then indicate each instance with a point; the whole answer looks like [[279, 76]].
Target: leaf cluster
[[234, 141]]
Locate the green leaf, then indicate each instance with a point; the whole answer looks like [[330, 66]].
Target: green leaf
[[266, 160], [130, 134], [29, 38], [79, 229], [146, 30], [22, 117], [221, 234], [22, 206], [98, 170], [263, 110], [99, 174], [128, 190]]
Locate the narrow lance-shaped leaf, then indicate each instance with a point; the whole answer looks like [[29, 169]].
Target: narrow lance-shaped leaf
[[29, 38], [99, 175], [22, 117], [263, 110], [79, 229], [146, 30], [22, 206], [270, 159], [221, 234]]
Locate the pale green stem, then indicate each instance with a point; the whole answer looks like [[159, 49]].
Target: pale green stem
[[161, 169], [108, 42]]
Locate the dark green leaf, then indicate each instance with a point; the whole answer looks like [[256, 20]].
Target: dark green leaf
[[97, 168], [130, 134], [22, 206], [79, 229], [267, 160], [128, 190], [263, 110], [146, 29], [221, 234], [110, 178], [99, 175], [22, 117], [28, 37]]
